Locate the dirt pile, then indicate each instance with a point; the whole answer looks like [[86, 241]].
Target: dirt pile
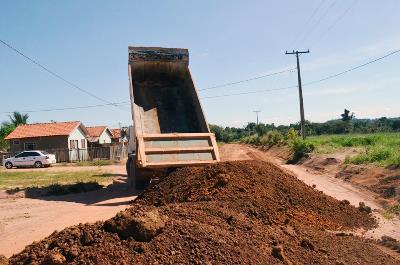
[[231, 213]]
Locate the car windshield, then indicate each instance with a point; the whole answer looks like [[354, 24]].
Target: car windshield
[[44, 152], [19, 154]]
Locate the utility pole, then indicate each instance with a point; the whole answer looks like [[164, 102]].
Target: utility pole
[[302, 121], [257, 111]]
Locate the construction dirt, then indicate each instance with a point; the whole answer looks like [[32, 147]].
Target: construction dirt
[[242, 212]]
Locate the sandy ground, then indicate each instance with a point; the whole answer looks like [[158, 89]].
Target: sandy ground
[[24, 220], [326, 183]]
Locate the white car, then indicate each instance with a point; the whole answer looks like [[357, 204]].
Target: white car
[[33, 158]]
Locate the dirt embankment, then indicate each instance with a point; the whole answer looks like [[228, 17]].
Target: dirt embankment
[[241, 212], [385, 182]]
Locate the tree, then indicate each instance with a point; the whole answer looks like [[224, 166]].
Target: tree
[[7, 127], [16, 119], [346, 116]]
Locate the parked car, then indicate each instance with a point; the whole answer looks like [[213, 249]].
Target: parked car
[[33, 158]]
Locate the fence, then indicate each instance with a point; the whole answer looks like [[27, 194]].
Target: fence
[[112, 152]]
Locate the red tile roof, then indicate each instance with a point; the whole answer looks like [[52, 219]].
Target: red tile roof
[[96, 130], [116, 133], [43, 129]]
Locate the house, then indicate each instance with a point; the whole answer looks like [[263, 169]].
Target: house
[[116, 135], [66, 139], [99, 135]]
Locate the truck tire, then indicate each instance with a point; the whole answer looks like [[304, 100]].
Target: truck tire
[[137, 178]]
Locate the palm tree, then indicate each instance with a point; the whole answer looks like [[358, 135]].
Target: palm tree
[[18, 118]]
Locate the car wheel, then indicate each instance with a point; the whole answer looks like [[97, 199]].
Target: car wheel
[[38, 164], [8, 165]]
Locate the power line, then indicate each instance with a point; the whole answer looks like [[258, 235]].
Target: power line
[[232, 94], [352, 69], [308, 83], [247, 80], [251, 92], [71, 108], [341, 16], [314, 26], [308, 21], [53, 73]]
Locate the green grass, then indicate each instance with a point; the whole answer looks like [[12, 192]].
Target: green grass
[[382, 149], [94, 163], [392, 211], [11, 179]]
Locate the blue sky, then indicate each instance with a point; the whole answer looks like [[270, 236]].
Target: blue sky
[[86, 42]]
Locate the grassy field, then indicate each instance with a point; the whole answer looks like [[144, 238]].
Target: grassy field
[[90, 163], [380, 148], [11, 179]]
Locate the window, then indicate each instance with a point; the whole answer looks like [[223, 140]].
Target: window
[[73, 144], [29, 146], [23, 154], [83, 143], [16, 142], [20, 155]]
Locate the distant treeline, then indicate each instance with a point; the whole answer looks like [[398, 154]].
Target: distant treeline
[[346, 125]]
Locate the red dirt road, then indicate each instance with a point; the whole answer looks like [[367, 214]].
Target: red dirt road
[[24, 220]]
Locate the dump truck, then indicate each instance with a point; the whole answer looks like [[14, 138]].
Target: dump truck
[[169, 129]]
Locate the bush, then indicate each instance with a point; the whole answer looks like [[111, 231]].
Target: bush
[[392, 211], [63, 189], [395, 160], [252, 139], [380, 154], [299, 146], [271, 138]]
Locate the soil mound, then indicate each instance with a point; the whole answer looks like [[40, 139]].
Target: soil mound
[[243, 212], [258, 189]]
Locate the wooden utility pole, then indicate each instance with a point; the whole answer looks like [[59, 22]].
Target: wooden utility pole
[[257, 111], [302, 121]]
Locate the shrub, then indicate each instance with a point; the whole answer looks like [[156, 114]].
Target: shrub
[[299, 146], [271, 138], [379, 154], [252, 139], [392, 211], [395, 160]]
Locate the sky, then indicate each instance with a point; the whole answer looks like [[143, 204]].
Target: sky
[[86, 43]]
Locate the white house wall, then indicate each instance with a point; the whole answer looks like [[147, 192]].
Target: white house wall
[[105, 138], [79, 135]]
